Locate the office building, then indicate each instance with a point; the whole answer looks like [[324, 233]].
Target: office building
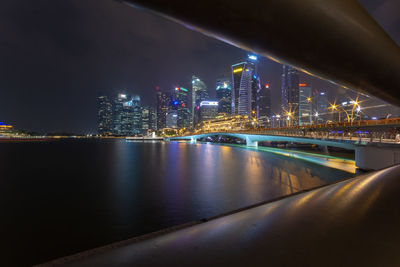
[[163, 102], [305, 104], [321, 112], [208, 110], [131, 117], [149, 117], [223, 94], [172, 119], [245, 84], [104, 116], [290, 90], [180, 104], [117, 113], [199, 93], [264, 106]]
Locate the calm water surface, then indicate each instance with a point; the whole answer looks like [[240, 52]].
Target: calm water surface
[[63, 197]]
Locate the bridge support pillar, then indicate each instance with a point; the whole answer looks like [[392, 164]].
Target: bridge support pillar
[[376, 157], [251, 143]]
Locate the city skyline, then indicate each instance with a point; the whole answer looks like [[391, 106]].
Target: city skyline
[[107, 59]]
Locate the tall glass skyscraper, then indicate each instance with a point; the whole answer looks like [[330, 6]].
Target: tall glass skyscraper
[[180, 104], [305, 104], [163, 101], [223, 92], [104, 116], [321, 106], [245, 84], [264, 105], [117, 113], [131, 117], [172, 119], [208, 110], [199, 93], [290, 89], [148, 119], [127, 117], [255, 96]]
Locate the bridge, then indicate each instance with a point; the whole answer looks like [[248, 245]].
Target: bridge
[[370, 154]]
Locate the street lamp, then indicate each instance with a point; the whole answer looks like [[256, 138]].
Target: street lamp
[[334, 107]]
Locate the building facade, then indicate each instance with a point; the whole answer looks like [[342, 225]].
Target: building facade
[[223, 94], [149, 120], [264, 106], [305, 105], [117, 113], [321, 112], [245, 84], [208, 110], [163, 103], [172, 119], [290, 89], [181, 105], [131, 117], [104, 116], [199, 93]]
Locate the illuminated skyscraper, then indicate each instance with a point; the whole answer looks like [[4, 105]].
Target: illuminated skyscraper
[[117, 113], [199, 93], [163, 100], [127, 117], [305, 104], [255, 96], [148, 120], [172, 119], [131, 117], [104, 116], [223, 92], [180, 104], [321, 111], [245, 85], [208, 110], [290, 89], [264, 106]]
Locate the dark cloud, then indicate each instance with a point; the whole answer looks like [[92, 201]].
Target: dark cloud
[[56, 57]]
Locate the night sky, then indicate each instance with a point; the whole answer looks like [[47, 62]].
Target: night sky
[[56, 57]]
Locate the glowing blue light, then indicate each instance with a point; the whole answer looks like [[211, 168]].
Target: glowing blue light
[[255, 76], [252, 57], [175, 103], [128, 104]]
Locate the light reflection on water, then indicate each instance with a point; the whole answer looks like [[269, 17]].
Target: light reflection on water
[[88, 193]]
